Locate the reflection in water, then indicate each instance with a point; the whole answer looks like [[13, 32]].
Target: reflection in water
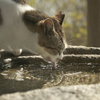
[[16, 74], [26, 77]]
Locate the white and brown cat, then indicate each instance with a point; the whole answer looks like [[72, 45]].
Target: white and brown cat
[[23, 27]]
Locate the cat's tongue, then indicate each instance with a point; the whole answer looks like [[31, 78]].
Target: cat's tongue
[[54, 64]]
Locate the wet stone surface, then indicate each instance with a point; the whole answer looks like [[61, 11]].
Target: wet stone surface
[[25, 77]]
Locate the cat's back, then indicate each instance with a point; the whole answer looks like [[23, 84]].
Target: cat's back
[[12, 27], [11, 10], [7, 11]]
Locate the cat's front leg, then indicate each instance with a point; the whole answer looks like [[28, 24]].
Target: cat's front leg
[[16, 52], [6, 58]]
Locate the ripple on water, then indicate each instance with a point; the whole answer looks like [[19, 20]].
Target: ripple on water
[[65, 74]]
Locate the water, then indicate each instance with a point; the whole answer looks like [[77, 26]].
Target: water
[[39, 75]]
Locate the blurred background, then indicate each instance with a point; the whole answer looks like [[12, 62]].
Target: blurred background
[[81, 23]]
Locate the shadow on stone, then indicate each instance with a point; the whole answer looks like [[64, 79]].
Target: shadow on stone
[[11, 86]]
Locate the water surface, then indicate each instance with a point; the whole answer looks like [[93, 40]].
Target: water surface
[[26, 77]]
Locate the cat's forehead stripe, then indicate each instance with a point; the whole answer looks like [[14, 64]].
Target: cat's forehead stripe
[[1, 20], [20, 1]]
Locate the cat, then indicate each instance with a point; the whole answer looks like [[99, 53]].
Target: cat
[[24, 28]]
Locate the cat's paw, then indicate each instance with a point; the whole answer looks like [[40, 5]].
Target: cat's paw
[[16, 52]]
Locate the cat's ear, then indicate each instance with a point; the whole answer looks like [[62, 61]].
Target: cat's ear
[[48, 24], [60, 17]]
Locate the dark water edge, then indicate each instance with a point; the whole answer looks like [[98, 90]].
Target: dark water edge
[[25, 77]]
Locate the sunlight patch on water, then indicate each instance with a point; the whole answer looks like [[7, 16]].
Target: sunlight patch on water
[[16, 74], [73, 74], [48, 66]]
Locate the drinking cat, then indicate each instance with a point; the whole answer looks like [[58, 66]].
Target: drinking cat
[[25, 28]]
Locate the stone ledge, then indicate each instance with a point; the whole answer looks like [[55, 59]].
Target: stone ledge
[[77, 92]]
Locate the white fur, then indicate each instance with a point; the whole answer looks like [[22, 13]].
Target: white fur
[[13, 32], [14, 35]]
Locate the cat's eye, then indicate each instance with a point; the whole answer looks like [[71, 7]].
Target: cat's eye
[[51, 48], [58, 52]]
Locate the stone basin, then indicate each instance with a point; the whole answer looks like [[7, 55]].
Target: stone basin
[[28, 73]]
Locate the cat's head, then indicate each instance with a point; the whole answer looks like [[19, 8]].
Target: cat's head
[[51, 38]]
